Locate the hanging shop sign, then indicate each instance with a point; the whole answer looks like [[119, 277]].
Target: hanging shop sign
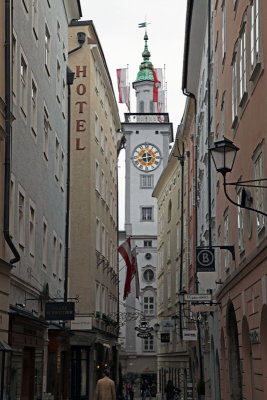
[[81, 323], [165, 337], [59, 311], [144, 330], [189, 335], [168, 325], [205, 260], [144, 335], [198, 297]]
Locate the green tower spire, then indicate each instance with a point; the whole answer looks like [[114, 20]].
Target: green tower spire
[[146, 67]]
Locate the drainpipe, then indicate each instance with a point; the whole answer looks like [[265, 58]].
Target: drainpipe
[[8, 135], [70, 79]]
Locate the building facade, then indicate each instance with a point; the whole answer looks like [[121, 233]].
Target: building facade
[[148, 136], [92, 274], [175, 261], [37, 201], [240, 46], [198, 83]]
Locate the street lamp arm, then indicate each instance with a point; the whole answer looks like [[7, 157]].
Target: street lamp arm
[[235, 203]]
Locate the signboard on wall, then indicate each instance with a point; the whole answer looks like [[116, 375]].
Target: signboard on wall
[[189, 335], [56, 311], [205, 260], [165, 337], [168, 325]]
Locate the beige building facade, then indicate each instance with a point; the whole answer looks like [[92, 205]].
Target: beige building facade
[[174, 260], [93, 275]]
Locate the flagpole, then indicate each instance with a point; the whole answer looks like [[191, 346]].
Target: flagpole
[[165, 88]]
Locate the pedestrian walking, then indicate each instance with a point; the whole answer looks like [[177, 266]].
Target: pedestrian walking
[[169, 390], [131, 391], [145, 390], [105, 388]]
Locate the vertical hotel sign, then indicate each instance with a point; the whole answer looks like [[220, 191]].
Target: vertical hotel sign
[[80, 105]]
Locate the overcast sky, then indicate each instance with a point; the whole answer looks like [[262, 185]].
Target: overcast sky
[[116, 23]]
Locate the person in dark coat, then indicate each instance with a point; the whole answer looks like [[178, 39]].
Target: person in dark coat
[[169, 390]]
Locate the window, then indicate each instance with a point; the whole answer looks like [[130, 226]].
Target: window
[[234, 91], [34, 108], [148, 275], [97, 297], [147, 243], [21, 219], [47, 49], [146, 214], [103, 181], [57, 159], [12, 205], [23, 84], [46, 133], [103, 239], [96, 78], [169, 211], [254, 34], [223, 113], [242, 65], [97, 182], [97, 234], [102, 138], [226, 240], [54, 254], [58, 88], [96, 128], [58, 30], [32, 230], [62, 171], [259, 193], [103, 299], [169, 284], [149, 307], [26, 5], [146, 181], [223, 32], [35, 18], [178, 236], [44, 243], [106, 149], [14, 65], [60, 262], [63, 97], [149, 343], [169, 246], [216, 67], [240, 223]]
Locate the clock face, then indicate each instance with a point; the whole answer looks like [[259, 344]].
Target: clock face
[[146, 157]]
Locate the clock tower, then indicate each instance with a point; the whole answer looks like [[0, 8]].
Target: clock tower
[[148, 136]]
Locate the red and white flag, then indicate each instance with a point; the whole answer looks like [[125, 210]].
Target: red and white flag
[[124, 89], [126, 253], [137, 283]]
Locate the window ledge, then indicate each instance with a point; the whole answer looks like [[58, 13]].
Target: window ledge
[[234, 123], [243, 99], [255, 71]]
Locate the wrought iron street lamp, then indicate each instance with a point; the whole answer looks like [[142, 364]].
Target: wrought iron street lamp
[[223, 153]]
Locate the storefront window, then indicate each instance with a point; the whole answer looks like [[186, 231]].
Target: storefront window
[[51, 373]]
